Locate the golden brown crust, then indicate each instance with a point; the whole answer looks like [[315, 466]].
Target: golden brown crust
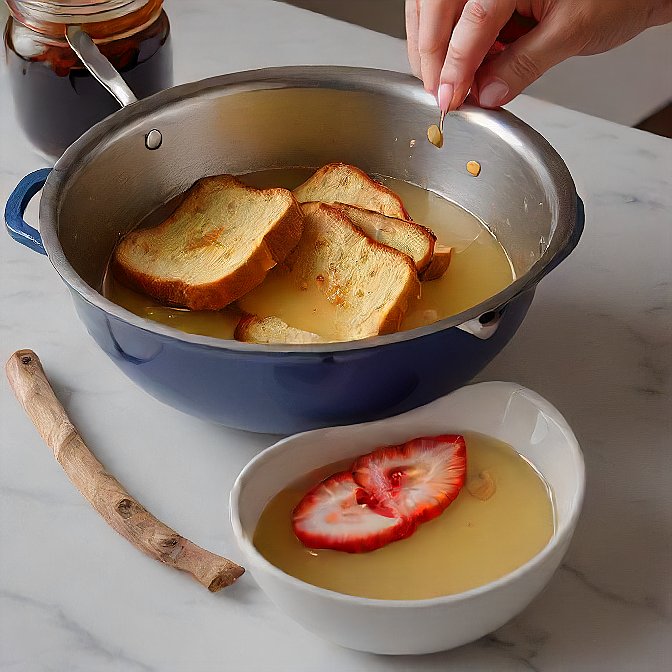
[[438, 264], [276, 244], [395, 305], [376, 196], [254, 329], [241, 332], [413, 239]]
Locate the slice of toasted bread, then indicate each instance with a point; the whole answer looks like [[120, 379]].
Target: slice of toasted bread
[[438, 264], [408, 237], [339, 182], [217, 246], [370, 284], [253, 329]]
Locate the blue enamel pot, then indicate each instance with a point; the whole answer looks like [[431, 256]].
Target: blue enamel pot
[[152, 150]]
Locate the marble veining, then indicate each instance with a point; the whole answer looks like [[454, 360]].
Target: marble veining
[[93, 648], [648, 602], [75, 596]]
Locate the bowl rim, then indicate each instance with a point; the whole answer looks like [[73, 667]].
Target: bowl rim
[[371, 80], [560, 536]]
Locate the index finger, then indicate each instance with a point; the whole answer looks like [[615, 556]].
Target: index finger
[[436, 21], [473, 36], [412, 26]]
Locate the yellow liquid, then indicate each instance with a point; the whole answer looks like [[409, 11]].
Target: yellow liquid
[[479, 268], [473, 542], [220, 324]]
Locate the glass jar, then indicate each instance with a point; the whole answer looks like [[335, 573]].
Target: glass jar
[[55, 96]]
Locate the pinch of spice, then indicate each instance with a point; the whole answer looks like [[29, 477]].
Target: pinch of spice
[[473, 168], [435, 136]]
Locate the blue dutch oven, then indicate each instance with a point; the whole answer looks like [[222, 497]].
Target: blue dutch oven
[[152, 150]]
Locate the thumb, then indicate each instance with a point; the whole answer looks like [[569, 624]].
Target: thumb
[[502, 77]]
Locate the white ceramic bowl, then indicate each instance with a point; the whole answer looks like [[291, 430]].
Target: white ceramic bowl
[[505, 411]]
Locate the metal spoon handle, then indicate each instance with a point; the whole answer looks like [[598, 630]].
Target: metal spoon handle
[[82, 44]]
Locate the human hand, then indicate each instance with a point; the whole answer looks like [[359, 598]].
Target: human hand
[[450, 41]]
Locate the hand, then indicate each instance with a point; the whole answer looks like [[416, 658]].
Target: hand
[[450, 41]]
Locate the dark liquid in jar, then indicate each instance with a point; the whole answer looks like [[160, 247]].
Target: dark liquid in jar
[[57, 99]]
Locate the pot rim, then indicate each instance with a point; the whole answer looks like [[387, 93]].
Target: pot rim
[[95, 140]]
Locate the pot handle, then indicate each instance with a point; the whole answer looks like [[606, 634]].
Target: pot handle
[[486, 325], [16, 206]]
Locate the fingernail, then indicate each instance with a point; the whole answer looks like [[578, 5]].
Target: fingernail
[[445, 96], [493, 93]]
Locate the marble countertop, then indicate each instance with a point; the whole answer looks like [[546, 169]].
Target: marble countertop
[[75, 596]]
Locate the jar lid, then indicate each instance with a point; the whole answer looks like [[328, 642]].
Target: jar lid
[[74, 11]]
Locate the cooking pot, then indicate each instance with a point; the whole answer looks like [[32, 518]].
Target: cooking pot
[[152, 150]]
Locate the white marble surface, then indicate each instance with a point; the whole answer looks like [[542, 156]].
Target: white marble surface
[[74, 596]]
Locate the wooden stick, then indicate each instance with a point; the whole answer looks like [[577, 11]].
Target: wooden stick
[[103, 491]]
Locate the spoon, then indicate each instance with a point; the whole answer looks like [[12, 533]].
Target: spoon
[[107, 496], [94, 61], [106, 74]]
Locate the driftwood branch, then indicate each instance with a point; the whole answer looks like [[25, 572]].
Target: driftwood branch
[[103, 491]]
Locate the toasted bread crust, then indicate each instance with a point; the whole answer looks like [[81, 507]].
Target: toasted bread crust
[[253, 329], [353, 187], [281, 237], [438, 264], [413, 239]]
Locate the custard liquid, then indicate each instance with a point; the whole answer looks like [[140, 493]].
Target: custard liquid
[[473, 542], [479, 269]]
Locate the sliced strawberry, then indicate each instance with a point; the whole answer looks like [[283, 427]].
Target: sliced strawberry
[[331, 516], [417, 479]]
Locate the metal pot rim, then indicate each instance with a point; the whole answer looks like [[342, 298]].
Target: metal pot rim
[[569, 209]]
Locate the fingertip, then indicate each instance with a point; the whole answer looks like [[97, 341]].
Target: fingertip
[[493, 92], [433, 92], [460, 95], [445, 97], [430, 76]]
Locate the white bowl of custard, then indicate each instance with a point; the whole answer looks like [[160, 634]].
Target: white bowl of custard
[[458, 577]]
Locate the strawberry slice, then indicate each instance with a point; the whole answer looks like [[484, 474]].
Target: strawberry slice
[[331, 516], [417, 479]]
